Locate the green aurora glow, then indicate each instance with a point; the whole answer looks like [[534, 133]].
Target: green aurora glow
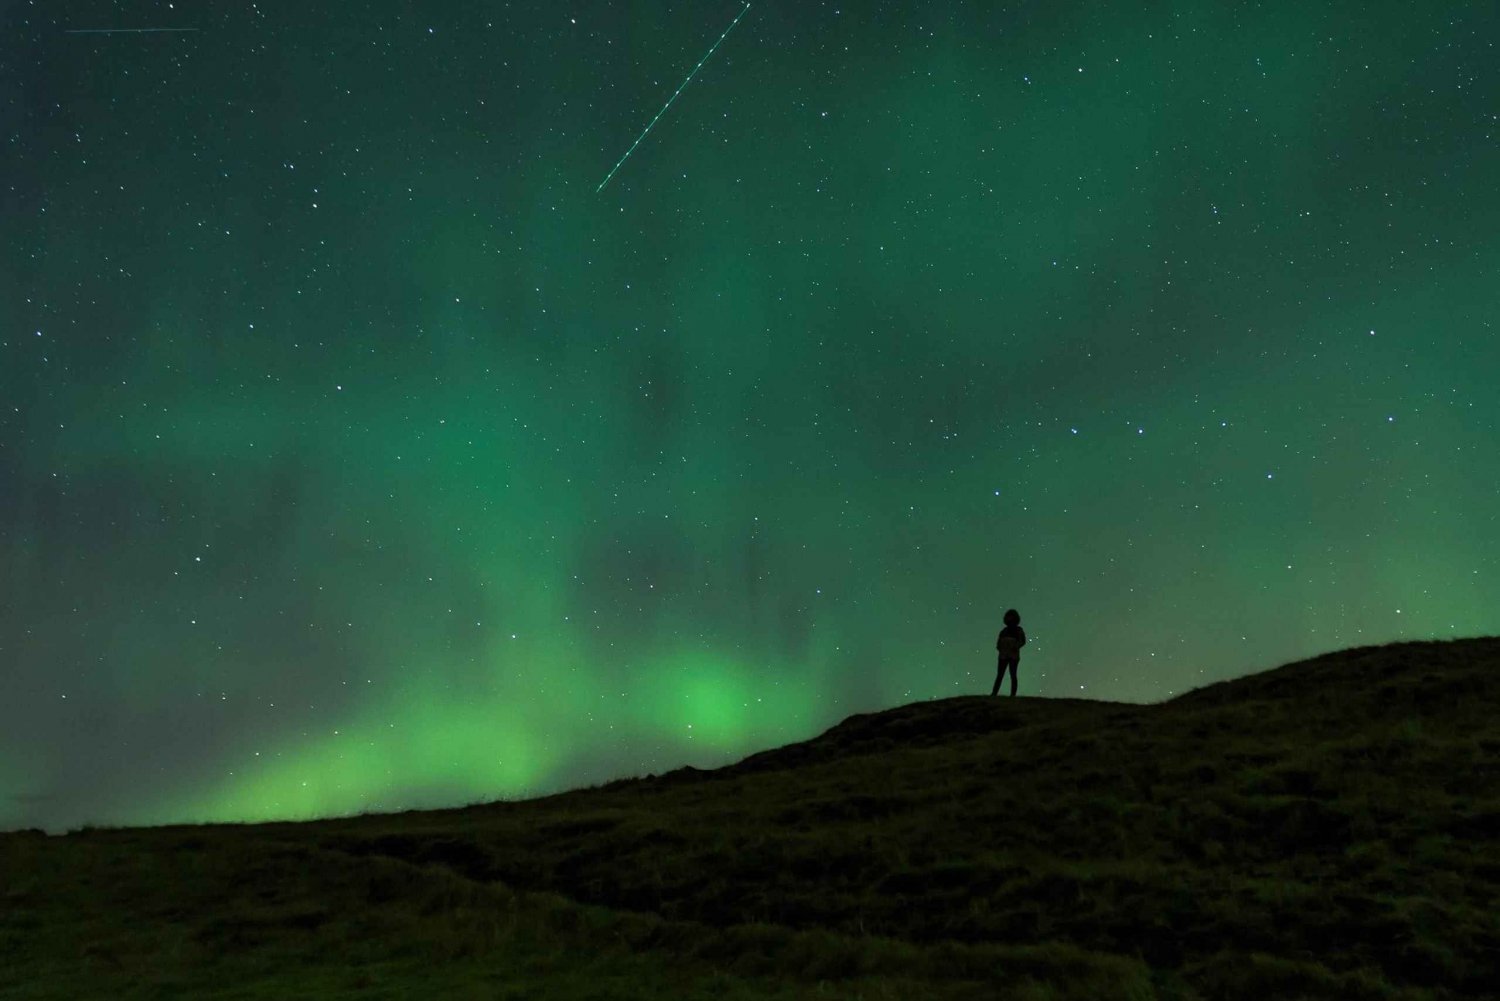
[[355, 454]]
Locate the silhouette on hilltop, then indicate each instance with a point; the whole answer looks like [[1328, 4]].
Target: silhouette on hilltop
[[1008, 645]]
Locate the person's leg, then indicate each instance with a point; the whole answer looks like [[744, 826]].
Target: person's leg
[[1014, 666], [999, 676]]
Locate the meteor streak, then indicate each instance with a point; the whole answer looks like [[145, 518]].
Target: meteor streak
[[120, 31], [664, 107]]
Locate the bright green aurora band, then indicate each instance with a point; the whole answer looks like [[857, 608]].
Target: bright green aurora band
[[356, 455]]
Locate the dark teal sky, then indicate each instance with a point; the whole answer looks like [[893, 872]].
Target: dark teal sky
[[356, 454]]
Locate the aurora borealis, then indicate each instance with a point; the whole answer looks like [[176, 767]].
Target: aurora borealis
[[356, 454]]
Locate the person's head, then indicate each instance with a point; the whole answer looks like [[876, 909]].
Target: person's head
[[1012, 618]]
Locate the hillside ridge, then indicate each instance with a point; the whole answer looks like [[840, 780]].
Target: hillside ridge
[[1327, 828], [1385, 680]]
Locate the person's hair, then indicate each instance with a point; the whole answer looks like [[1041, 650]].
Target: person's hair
[[1012, 617]]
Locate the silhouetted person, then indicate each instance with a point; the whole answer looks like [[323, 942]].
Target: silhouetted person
[[1009, 643]]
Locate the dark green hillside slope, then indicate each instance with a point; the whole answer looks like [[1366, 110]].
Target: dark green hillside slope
[[1325, 829]]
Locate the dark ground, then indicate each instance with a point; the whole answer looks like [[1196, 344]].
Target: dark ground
[[1327, 829]]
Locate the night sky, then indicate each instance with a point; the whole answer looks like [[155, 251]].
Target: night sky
[[357, 453]]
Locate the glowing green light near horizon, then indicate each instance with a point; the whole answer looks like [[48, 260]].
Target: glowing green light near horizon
[[710, 702], [455, 753]]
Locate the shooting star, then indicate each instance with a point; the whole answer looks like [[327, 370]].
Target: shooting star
[[120, 31], [664, 107]]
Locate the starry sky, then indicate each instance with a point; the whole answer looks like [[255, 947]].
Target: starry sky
[[358, 453]]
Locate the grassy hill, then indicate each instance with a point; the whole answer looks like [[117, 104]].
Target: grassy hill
[[1327, 829]]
